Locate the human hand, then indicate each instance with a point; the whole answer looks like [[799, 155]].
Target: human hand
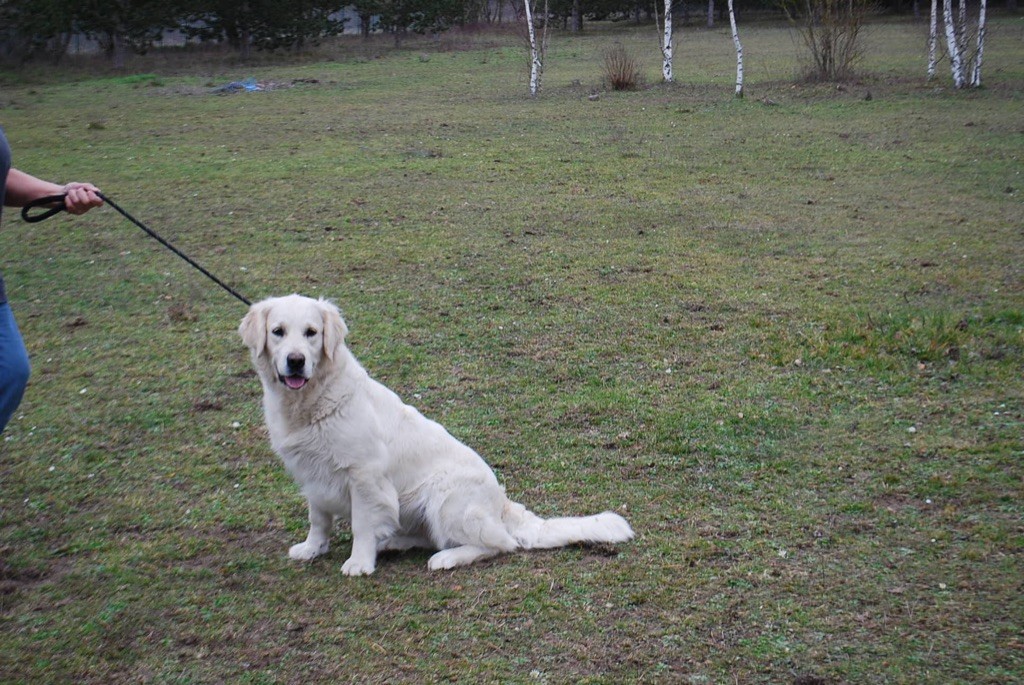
[[81, 197]]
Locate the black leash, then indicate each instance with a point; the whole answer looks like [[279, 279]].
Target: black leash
[[55, 204]]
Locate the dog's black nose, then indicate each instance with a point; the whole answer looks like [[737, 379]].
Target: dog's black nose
[[296, 362]]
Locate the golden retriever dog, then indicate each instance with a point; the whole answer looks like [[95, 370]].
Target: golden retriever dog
[[361, 454]]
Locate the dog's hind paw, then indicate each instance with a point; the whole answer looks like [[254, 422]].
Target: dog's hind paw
[[459, 556], [305, 551]]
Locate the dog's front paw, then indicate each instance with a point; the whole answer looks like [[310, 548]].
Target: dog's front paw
[[304, 551], [444, 560], [439, 562], [358, 567]]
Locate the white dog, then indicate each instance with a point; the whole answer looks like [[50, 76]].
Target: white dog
[[359, 453]]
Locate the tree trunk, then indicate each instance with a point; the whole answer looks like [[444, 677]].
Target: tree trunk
[[976, 72], [666, 43], [739, 51], [953, 45], [933, 39], [535, 62], [118, 50], [711, 14]]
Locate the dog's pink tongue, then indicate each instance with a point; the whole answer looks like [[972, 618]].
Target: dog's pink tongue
[[295, 382]]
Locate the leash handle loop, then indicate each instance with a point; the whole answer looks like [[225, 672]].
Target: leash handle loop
[[54, 203]]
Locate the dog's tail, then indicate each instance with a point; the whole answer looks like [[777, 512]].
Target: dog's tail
[[534, 532]]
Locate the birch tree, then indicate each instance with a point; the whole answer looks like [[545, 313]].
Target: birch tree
[[536, 47], [953, 44], [976, 72], [933, 39], [966, 68], [666, 40], [739, 50]]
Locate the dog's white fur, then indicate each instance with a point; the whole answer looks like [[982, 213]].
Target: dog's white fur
[[359, 453]]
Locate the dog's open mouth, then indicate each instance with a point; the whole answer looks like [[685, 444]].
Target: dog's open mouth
[[294, 382]]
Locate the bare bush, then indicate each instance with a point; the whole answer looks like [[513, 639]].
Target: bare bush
[[622, 70], [831, 30]]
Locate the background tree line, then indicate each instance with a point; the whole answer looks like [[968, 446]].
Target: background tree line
[[45, 28], [33, 27]]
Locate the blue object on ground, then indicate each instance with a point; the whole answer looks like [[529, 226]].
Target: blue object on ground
[[248, 85]]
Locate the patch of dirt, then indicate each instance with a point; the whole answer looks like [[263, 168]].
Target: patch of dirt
[[14, 578]]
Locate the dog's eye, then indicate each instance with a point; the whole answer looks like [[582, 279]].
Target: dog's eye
[[277, 332], [311, 332]]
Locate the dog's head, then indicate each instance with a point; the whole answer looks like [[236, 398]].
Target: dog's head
[[290, 337]]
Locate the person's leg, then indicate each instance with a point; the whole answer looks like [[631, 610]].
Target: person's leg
[[14, 365]]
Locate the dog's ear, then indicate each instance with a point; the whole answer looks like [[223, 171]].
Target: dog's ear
[[335, 329], [253, 327]]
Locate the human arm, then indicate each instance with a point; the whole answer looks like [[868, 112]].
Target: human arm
[[23, 188]]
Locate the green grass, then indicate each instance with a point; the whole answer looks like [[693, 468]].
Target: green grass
[[784, 334]]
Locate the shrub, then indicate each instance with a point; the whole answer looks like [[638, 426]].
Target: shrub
[[831, 29], [622, 70]]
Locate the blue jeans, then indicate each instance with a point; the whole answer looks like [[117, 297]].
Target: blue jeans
[[14, 366]]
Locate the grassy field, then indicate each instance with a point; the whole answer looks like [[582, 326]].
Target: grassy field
[[784, 336]]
